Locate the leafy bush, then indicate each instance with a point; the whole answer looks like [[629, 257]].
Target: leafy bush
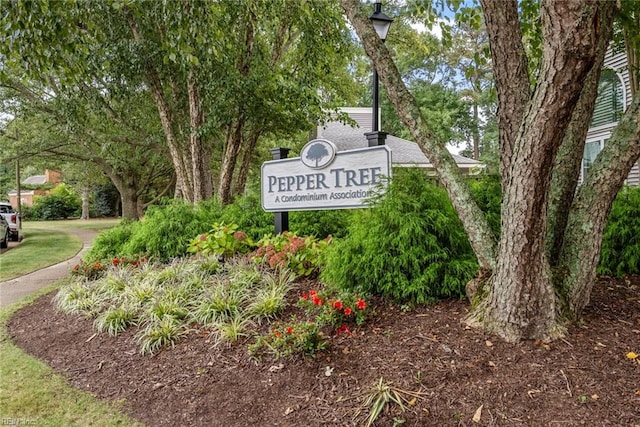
[[224, 240], [320, 224], [487, 192], [109, 243], [165, 231], [61, 203], [410, 247], [246, 211], [621, 240], [286, 250]]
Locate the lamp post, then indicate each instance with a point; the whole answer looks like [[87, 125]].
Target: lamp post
[[381, 22]]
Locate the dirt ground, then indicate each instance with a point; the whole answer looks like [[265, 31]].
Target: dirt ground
[[465, 378]]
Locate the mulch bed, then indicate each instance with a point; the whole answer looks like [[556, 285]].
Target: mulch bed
[[585, 379]]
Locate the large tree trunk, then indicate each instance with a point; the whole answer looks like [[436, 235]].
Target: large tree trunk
[[566, 171], [245, 163], [229, 159], [200, 156], [522, 302], [511, 74], [86, 196], [587, 219]]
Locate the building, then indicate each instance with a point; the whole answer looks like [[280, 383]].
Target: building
[[27, 195], [404, 153], [614, 96]]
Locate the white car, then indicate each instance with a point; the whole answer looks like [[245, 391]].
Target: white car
[[13, 218], [4, 233]]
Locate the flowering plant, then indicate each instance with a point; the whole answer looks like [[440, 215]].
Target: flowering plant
[[290, 338], [224, 240], [335, 310], [91, 271], [128, 262], [287, 250]]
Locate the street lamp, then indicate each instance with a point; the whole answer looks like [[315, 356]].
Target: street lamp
[[381, 22]]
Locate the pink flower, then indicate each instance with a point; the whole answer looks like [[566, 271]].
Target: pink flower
[[239, 235]]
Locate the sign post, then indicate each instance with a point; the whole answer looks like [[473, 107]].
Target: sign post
[[281, 219]]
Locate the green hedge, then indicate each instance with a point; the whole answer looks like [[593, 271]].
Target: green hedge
[[410, 247]]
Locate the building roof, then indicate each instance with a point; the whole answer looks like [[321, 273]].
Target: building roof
[[403, 152], [35, 180]]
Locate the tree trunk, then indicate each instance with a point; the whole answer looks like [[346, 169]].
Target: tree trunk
[[184, 184], [566, 171], [582, 243], [476, 131], [511, 74], [229, 159], [200, 156], [522, 302], [474, 221], [245, 163], [85, 202]]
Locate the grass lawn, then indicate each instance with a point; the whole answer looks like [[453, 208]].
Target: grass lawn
[[91, 224], [40, 248], [46, 244], [31, 393]]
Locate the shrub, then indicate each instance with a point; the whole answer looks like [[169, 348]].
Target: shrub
[[224, 240], [246, 211], [61, 203], [410, 247], [320, 224], [487, 192], [621, 240], [109, 244], [165, 231], [286, 250]]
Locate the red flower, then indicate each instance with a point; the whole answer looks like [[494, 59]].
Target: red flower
[[116, 261], [343, 330], [289, 330], [317, 301], [277, 334], [135, 263], [313, 293], [361, 304], [347, 311], [337, 305], [305, 296]]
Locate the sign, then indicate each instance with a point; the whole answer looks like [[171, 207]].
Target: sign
[[322, 178]]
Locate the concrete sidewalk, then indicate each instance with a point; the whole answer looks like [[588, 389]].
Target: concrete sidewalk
[[15, 289]]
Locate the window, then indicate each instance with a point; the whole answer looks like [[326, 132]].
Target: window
[[591, 151], [610, 102]]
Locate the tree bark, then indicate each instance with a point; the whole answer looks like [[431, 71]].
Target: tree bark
[[522, 302], [588, 216], [200, 156], [566, 171], [85, 202], [184, 183], [474, 222], [229, 159], [245, 163], [511, 74]]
